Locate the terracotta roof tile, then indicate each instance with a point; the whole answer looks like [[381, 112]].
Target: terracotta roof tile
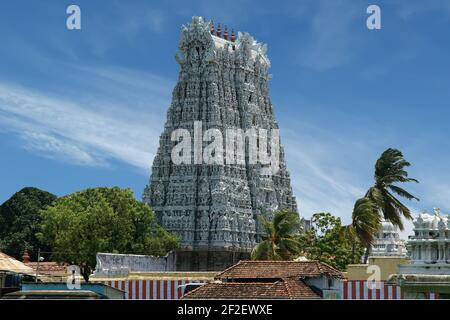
[[298, 289], [49, 268], [278, 270], [8, 263], [281, 289]]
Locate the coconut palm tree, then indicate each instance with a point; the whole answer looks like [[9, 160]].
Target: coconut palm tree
[[380, 201], [389, 170], [279, 241]]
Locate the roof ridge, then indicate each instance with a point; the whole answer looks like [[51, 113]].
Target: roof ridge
[[195, 289], [288, 289], [229, 268], [329, 266]]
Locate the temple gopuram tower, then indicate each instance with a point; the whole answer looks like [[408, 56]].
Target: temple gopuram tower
[[213, 207]]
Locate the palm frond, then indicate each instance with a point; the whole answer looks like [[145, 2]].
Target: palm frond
[[288, 247], [268, 226], [402, 192], [290, 224], [394, 210], [278, 241], [365, 220], [261, 251]]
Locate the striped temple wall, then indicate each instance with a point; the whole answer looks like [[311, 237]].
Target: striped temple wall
[[359, 290], [149, 289]]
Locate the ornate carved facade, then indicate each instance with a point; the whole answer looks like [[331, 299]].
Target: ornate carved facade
[[214, 207], [387, 241], [428, 274]]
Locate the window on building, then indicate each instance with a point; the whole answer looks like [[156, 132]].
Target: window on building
[[330, 282]]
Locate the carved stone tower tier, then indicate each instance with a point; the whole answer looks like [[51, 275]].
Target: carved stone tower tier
[[213, 207]]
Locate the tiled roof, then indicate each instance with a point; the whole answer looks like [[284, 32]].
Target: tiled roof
[[281, 289], [278, 270], [8, 263], [49, 268]]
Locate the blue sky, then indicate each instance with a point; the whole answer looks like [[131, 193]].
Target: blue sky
[[85, 108]]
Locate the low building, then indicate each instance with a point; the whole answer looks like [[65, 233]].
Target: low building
[[385, 266], [155, 285], [273, 280], [428, 275], [49, 270], [45, 270], [10, 264], [102, 290], [12, 272], [369, 280], [52, 294]]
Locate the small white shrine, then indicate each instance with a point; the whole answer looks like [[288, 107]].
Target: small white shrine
[[430, 244], [428, 274], [387, 241]]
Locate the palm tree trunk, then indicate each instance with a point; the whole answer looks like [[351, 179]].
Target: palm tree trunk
[[353, 252], [366, 254]]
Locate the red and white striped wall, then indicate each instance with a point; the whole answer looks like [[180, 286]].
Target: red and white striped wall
[[149, 289], [359, 290]]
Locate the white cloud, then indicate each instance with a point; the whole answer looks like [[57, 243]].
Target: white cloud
[[52, 147], [331, 169], [89, 129], [320, 174]]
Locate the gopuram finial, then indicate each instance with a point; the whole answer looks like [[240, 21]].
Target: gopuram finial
[[219, 32]]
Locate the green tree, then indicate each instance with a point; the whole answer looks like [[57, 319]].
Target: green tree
[[279, 241], [20, 220], [325, 241], [96, 220]]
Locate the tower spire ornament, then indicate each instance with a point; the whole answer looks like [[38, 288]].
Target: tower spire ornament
[[219, 31], [212, 199]]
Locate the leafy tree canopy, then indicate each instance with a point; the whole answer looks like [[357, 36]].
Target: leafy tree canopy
[[326, 242], [96, 220], [20, 220]]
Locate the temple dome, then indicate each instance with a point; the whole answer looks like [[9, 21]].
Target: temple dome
[[387, 226]]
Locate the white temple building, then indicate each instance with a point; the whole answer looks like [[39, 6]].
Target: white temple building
[[430, 244], [387, 241], [428, 274]]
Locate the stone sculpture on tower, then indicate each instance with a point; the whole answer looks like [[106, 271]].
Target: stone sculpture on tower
[[213, 205]]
